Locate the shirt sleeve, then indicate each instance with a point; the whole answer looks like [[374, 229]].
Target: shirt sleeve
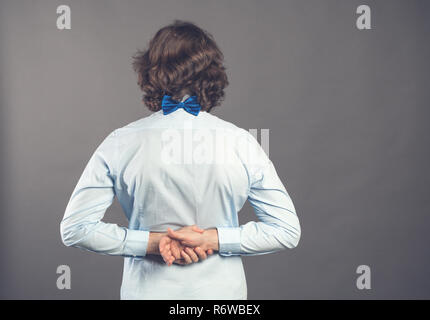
[[81, 225], [278, 227]]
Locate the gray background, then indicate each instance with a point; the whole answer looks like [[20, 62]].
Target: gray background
[[347, 110]]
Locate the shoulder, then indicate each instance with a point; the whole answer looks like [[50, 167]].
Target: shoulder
[[137, 125], [219, 123], [245, 144]]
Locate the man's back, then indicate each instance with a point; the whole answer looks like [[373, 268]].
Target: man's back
[[177, 170]]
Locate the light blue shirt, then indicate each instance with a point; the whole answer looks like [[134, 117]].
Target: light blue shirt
[[177, 170]]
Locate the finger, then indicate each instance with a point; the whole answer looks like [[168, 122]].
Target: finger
[[167, 252], [167, 255], [180, 261], [201, 253], [186, 257], [175, 235], [187, 243], [167, 247], [197, 229], [164, 258], [192, 254], [170, 258], [210, 251], [163, 242], [175, 251]]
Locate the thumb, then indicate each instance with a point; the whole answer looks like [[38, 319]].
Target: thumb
[[197, 229], [175, 235]]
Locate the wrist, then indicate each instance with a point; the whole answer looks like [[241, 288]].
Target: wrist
[[154, 241], [211, 239]]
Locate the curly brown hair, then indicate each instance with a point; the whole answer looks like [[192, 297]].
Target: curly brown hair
[[181, 59]]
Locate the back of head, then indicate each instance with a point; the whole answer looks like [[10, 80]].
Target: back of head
[[181, 59]]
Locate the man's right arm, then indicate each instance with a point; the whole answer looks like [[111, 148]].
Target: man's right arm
[[278, 226]]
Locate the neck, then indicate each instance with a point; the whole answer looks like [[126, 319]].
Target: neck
[[181, 94]]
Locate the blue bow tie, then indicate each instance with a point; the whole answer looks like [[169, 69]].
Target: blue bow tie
[[190, 105]]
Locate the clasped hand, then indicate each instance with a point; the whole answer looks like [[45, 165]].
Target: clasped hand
[[185, 246]]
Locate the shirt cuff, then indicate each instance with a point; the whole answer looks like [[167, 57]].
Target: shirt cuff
[[136, 242], [229, 240]]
